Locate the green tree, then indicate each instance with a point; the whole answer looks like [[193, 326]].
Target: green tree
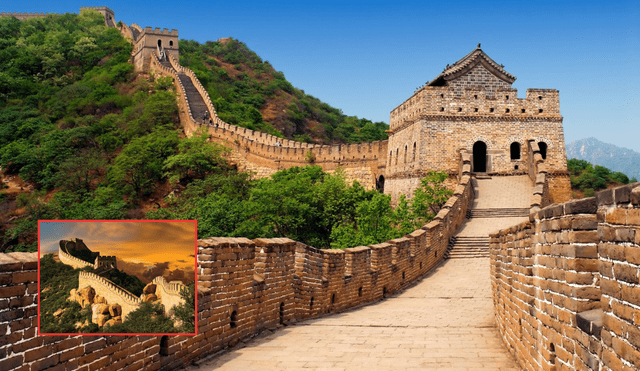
[[429, 197], [139, 165], [196, 157], [149, 318], [186, 311]]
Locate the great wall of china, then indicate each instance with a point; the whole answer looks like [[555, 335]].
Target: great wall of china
[[564, 283], [169, 294]]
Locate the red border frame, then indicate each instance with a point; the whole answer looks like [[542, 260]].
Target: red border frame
[[124, 221]]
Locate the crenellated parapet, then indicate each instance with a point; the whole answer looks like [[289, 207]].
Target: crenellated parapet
[[113, 293], [169, 292], [277, 280], [71, 260], [244, 287], [23, 16], [476, 103]]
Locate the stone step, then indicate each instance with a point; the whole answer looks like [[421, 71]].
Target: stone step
[[470, 256], [498, 213], [196, 102]]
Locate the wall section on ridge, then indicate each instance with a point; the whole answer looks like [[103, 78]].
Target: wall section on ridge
[[113, 293]]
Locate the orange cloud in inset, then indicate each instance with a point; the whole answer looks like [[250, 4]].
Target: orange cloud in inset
[[145, 242]]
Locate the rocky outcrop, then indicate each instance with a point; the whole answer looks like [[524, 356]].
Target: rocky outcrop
[[105, 314], [85, 296]]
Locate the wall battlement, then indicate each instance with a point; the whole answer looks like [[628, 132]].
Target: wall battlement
[[71, 260], [23, 16], [476, 102], [98, 8], [169, 292], [159, 32], [113, 293], [275, 280], [563, 282]]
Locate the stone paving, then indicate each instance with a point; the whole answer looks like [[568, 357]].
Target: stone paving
[[503, 192], [444, 322]]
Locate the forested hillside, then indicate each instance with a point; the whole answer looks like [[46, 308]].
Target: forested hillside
[[82, 136], [249, 92], [586, 179]]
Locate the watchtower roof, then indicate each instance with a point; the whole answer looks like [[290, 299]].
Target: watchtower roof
[[466, 64]]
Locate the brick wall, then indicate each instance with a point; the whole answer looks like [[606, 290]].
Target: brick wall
[[564, 284], [478, 75], [244, 286]]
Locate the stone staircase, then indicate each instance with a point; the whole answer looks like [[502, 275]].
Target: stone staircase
[[462, 247], [196, 103], [498, 213]]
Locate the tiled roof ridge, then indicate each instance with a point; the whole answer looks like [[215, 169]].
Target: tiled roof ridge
[[467, 60]]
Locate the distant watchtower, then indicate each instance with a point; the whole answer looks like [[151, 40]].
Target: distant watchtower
[[109, 15], [471, 106]]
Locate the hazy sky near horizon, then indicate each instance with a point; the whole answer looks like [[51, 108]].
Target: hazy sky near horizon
[[367, 57], [148, 243]]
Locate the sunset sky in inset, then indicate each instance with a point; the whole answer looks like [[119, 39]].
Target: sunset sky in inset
[[136, 242]]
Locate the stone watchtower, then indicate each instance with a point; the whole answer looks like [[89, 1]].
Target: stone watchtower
[[153, 40], [471, 106], [109, 15]]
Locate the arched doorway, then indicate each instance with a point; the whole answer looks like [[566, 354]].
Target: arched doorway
[[380, 184], [479, 157], [159, 44], [515, 151], [543, 149]]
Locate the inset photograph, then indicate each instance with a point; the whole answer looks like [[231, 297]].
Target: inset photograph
[[117, 277]]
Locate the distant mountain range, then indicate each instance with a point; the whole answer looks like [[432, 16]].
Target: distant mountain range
[[604, 154]]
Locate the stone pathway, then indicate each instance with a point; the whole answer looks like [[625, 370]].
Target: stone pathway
[[444, 322]]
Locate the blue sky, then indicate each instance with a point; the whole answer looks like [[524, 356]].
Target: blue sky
[[367, 57]]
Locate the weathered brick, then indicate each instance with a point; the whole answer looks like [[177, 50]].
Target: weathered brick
[[42, 364], [11, 363], [584, 236], [626, 273], [635, 196], [583, 206], [25, 277], [68, 354], [38, 353], [9, 291], [605, 197], [632, 254]]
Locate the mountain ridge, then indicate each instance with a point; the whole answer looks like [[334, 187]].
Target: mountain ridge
[[604, 154]]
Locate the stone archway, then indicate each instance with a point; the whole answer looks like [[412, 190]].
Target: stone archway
[[380, 184], [479, 157], [543, 149]]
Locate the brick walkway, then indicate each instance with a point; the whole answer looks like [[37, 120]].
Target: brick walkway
[[444, 322]]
